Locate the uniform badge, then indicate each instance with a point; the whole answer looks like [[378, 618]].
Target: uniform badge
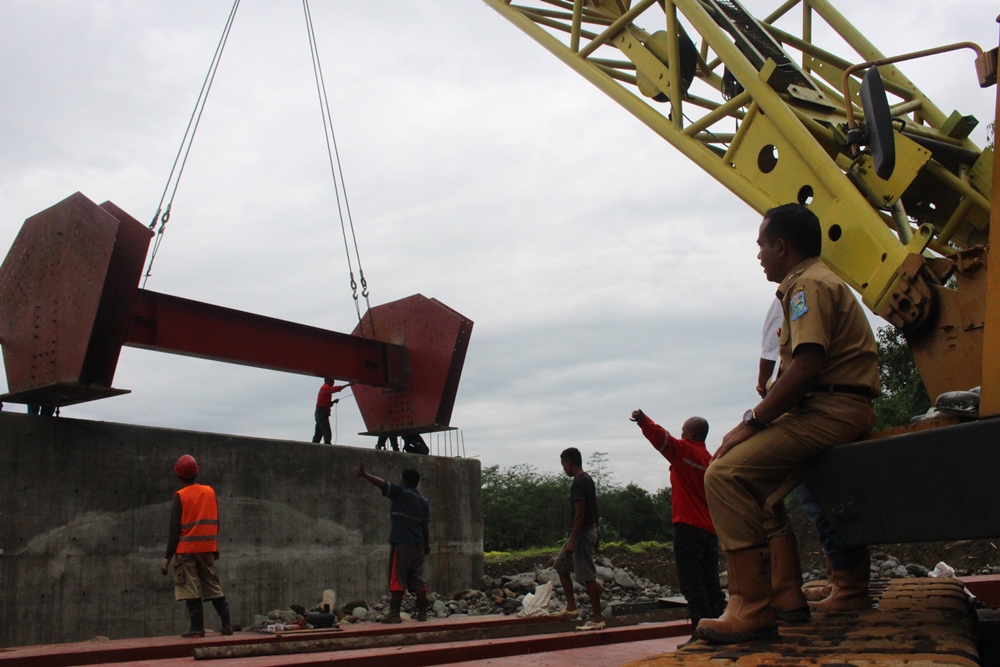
[[797, 305]]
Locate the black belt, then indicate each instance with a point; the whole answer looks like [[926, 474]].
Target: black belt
[[841, 389]]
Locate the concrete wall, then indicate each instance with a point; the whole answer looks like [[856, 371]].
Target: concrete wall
[[85, 506]]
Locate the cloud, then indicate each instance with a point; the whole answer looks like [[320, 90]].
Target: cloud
[[604, 271]]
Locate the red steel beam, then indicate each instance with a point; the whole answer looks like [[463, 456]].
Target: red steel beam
[[171, 324]]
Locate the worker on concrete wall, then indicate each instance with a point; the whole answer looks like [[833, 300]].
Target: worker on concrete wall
[[822, 397], [194, 530], [409, 539], [696, 548], [414, 444], [324, 402]]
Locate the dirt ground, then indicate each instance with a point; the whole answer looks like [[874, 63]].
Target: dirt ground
[[966, 556]]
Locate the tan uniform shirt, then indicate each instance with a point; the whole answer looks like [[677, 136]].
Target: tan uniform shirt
[[820, 308]]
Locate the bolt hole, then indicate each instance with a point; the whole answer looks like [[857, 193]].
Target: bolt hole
[[767, 159], [835, 232], [805, 195]]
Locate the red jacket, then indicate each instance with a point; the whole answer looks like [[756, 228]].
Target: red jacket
[[325, 397], [688, 461]]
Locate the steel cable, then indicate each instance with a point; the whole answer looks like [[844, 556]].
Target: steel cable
[[336, 171], [186, 141]]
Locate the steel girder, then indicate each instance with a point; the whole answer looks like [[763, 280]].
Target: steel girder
[[69, 301]]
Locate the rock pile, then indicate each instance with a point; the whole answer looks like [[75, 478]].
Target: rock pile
[[505, 594], [885, 566], [495, 596]]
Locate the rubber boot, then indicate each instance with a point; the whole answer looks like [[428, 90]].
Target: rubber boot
[[393, 615], [790, 605], [848, 590], [197, 613], [748, 615], [819, 589], [422, 609], [222, 609]]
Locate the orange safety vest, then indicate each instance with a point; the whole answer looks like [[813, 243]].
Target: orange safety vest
[[199, 520]]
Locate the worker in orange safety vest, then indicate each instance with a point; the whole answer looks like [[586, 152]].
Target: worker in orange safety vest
[[194, 529]]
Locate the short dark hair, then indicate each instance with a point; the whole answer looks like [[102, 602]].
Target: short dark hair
[[411, 478], [796, 224], [699, 425], [573, 455]]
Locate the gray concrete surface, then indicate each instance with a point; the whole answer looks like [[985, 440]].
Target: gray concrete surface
[[84, 510]]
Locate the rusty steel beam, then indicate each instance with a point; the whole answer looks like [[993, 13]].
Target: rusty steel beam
[[165, 323], [69, 301]]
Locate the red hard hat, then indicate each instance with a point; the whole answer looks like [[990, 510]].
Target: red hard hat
[[186, 467]]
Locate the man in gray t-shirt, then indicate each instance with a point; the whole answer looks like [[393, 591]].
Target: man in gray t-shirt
[[577, 556]]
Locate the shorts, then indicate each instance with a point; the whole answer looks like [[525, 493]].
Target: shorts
[[195, 578], [581, 561], [406, 567]]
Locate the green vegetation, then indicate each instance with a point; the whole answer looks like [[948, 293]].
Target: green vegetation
[[533, 552], [903, 393], [548, 552]]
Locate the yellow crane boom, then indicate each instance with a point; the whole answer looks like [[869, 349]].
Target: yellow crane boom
[[723, 88]]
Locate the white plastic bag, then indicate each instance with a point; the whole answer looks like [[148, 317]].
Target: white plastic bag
[[942, 569], [537, 603]]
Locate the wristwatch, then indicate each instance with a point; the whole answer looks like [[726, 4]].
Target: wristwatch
[[750, 419]]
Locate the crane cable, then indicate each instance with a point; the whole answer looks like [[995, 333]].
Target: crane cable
[[185, 148], [336, 171]]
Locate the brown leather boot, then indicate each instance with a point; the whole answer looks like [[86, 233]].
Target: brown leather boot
[[819, 589], [748, 615], [790, 605], [848, 590]]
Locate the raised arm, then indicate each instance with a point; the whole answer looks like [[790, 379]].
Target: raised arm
[[372, 479]]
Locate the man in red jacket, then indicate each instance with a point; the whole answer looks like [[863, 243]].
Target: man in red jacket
[[696, 548], [324, 402], [194, 531]]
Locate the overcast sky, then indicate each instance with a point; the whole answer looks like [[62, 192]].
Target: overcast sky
[[604, 272]]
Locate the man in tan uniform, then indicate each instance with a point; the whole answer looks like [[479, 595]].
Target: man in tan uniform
[[822, 397]]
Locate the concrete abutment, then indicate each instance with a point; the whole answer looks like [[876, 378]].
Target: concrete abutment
[[85, 507]]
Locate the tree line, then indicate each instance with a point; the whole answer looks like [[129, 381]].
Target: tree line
[[525, 508]]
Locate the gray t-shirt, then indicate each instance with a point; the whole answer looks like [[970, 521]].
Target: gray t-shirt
[[409, 512], [583, 489]]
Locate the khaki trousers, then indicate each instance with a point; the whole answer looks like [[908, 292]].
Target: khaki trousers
[[746, 488], [195, 577]]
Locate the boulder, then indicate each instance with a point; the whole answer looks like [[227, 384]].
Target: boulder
[[547, 576], [521, 583], [623, 579]]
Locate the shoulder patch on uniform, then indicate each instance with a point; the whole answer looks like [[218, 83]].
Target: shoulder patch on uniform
[[797, 305]]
